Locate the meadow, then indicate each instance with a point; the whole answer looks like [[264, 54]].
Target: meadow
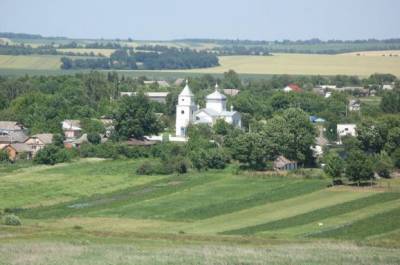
[[96, 211]]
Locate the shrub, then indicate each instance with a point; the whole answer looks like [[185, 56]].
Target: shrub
[[383, 165], [3, 156], [217, 158], [94, 138], [146, 168], [11, 219], [51, 155]]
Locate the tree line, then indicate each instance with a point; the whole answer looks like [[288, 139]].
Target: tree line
[[169, 58]]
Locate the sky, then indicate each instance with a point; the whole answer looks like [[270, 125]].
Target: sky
[[223, 19]]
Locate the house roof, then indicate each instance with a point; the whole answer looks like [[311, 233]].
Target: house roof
[[71, 125], [282, 161], [13, 137], [294, 88], [138, 142], [161, 83], [10, 126], [156, 94], [231, 92], [21, 147], [179, 81], [46, 138]]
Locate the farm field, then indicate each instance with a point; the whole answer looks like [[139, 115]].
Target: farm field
[[307, 64], [95, 211], [293, 64], [374, 53]]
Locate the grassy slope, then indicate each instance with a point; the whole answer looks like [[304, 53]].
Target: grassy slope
[[97, 200]]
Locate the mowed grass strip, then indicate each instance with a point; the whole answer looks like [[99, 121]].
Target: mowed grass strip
[[96, 204], [272, 191], [38, 62], [46, 185], [317, 215], [375, 225]]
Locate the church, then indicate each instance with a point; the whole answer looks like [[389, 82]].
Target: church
[[188, 113]]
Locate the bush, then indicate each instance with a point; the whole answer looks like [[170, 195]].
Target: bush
[[11, 219], [107, 150], [94, 138], [217, 158], [51, 155], [383, 165], [3, 156], [146, 168]]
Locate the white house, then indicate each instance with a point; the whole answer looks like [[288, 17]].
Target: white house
[[187, 112], [346, 130]]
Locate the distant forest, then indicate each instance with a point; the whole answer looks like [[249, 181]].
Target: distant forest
[[128, 59]]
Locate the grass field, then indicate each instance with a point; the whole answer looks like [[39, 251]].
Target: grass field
[[254, 66], [374, 53], [95, 211]]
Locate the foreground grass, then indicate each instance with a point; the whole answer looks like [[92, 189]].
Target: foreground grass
[[167, 252]]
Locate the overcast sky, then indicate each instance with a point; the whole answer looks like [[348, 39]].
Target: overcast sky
[[171, 19]]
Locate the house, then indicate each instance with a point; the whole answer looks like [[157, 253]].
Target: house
[[354, 105], [292, 88], [282, 163], [187, 112], [161, 83], [328, 94], [343, 130], [315, 119], [39, 141], [12, 132], [17, 151], [179, 81], [71, 129], [387, 87], [76, 143], [231, 92], [160, 97]]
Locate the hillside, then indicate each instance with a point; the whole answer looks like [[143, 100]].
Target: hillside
[[105, 204]]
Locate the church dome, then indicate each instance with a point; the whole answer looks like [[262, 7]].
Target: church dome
[[186, 92], [216, 95]]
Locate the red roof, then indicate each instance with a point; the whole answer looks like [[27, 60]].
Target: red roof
[[295, 88]]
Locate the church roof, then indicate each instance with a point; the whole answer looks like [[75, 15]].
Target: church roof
[[186, 91], [216, 94]]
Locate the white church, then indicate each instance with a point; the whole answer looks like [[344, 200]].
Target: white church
[[188, 113]]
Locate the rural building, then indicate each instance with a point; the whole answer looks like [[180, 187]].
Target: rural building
[[187, 112], [12, 132], [354, 105], [343, 130], [17, 151], [71, 128], [282, 163], [76, 143], [387, 87], [160, 97], [315, 119], [292, 88], [231, 92], [179, 81], [39, 141], [161, 83]]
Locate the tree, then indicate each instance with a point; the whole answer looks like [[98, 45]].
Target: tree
[[94, 138], [135, 118], [393, 140], [334, 166], [221, 127], [249, 149], [3, 156], [51, 155], [383, 165], [58, 139], [396, 157], [359, 167], [231, 80]]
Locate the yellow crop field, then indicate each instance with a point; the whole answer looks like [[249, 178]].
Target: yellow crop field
[[38, 62], [306, 64], [374, 53], [105, 52]]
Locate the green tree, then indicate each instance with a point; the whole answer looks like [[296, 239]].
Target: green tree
[[135, 118], [94, 138], [249, 149], [383, 164], [359, 167], [334, 166], [393, 140]]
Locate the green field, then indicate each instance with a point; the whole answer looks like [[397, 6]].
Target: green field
[[97, 211], [293, 64]]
